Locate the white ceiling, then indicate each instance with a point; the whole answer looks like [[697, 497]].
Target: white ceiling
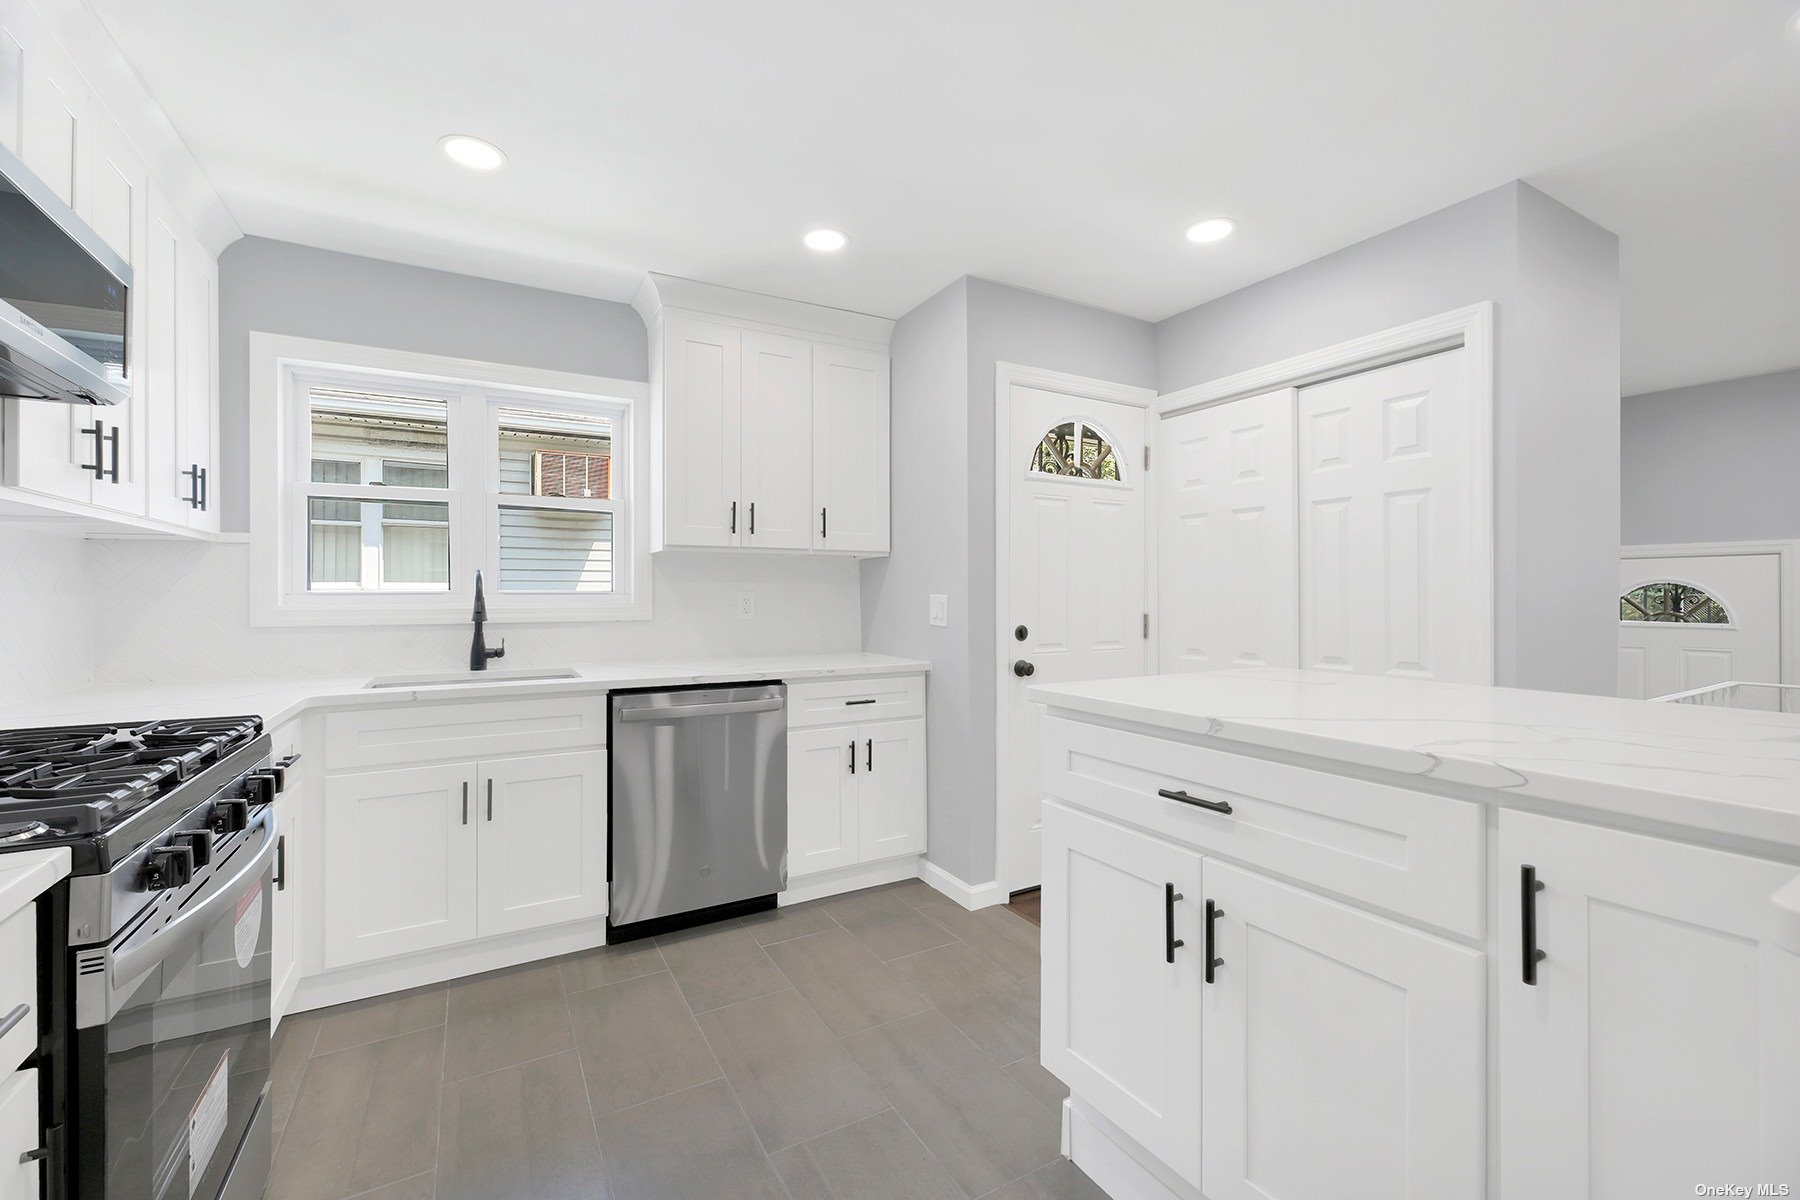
[[1051, 144]]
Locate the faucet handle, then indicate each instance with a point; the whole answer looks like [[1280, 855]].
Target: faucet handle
[[499, 651]]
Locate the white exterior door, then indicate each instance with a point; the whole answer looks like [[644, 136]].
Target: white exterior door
[[1658, 657], [850, 450], [1121, 1009], [701, 440], [1228, 590], [1343, 1053], [822, 804], [1392, 580], [1075, 565], [1659, 1048], [891, 789], [380, 903], [542, 839], [777, 424]]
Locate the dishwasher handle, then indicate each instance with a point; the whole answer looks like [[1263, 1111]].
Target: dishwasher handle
[[679, 712]]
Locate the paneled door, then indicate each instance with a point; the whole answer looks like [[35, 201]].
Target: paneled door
[[702, 444], [1074, 561], [1228, 589], [822, 805], [891, 789], [1343, 1053], [1392, 577], [850, 450], [1122, 1023], [777, 463], [1658, 1047], [542, 840], [1692, 620]]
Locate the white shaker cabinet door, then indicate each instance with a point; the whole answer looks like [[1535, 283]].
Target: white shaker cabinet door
[[1343, 1052], [1121, 1001], [1659, 1047], [400, 862], [891, 789], [822, 802], [542, 823], [850, 450], [777, 440], [699, 420]]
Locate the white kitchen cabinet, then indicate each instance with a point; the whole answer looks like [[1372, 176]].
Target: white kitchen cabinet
[[700, 445], [777, 460], [890, 789], [21, 1171], [1659, 1047], [1343, 1053], [850, 450], [1122, 1005], [542, 841], [287, 914], [856, 794]]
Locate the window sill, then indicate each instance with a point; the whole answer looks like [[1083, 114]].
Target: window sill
[[500, 613]]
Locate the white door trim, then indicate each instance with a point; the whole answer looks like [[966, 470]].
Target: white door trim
[[1788, 552], [1005, 376], [1472, 329]]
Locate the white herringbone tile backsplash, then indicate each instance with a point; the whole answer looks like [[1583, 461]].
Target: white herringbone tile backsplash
[[46, 616], [176, 611]]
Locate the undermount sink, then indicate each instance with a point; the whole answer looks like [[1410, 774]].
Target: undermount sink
[[451, 678]]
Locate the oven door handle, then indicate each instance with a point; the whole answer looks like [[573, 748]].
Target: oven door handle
[[129, 964]]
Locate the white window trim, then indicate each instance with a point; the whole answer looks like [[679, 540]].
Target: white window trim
[[281, 473]]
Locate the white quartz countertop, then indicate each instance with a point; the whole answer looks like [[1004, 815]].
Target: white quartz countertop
[[27, 874], [277, 700], [1726, 771]]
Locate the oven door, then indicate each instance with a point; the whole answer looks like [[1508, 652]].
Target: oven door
[[170, 1073]]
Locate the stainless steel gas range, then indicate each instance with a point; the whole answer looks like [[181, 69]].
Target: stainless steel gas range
[[156, 977]]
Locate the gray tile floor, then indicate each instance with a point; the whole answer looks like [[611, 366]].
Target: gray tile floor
[[875, 1046]]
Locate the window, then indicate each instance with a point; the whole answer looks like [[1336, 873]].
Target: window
[[402, 475], [1076, 450], [1672, 602]]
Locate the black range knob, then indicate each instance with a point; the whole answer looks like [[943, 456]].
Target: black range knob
[[168, 867], [228, 816], [260, 787], [199, 845]]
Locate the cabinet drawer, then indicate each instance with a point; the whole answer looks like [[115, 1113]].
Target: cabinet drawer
[[397, 736], [1409, 852], [851, 701], [18, 987]]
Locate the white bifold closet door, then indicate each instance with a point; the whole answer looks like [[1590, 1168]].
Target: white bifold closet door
[[1228, 569]]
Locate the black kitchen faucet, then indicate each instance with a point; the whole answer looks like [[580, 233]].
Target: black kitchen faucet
[[479, 654]]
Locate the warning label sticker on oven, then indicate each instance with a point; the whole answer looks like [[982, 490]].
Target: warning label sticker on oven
[[248, 928], [206, 1123]]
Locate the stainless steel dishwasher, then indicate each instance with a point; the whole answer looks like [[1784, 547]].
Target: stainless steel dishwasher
[[699, 806]]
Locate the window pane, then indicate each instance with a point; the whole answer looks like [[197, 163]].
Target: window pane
[[555, 454], [373, 435], [544, 550], [356, 545], [334, 543], [1076, 450]]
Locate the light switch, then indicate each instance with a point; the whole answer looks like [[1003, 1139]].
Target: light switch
[[940, 610], [746, 605]]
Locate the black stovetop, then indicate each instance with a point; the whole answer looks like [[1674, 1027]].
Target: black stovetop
[[84, 779]]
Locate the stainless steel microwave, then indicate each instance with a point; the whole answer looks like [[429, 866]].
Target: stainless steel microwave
[[65, 299]]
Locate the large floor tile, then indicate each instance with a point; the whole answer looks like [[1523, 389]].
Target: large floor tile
[[793, 1078], [984, 1127], [367, 1021], [846, 984], [788, 921], [693, 1145], [287, 1066], [505, 1018], [638, 1041], [882, 920], [1000, 935], [998, 1012], [419, 1187], [1029, 1074], [1061, 1180], [874, 1159], [716, 966], [365, 1117], [610, 964], [520, 1133]]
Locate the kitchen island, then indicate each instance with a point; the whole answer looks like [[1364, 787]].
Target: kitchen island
[[1312, 934]]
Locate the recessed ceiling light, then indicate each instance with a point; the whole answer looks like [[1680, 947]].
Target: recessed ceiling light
[[825, 241], [1212, 229], [466, 150]]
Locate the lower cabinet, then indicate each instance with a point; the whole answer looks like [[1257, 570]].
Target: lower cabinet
[[426, 857], [1657, 1045], [856, 794], [286, 914]]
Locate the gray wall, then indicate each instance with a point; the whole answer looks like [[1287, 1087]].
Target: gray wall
[[1712, 463], [944, 353], [1554, 279], [277, 287]]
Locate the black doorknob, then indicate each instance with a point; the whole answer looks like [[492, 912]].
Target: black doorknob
[[1023, 668], [1021, 633]]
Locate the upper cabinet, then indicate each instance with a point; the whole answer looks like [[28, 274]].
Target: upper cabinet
[[148, 464], [770, 419]]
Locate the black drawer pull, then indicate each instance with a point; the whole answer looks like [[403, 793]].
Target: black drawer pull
[[1218, 806], [1213, 913], [1529, 887], [870, 700], [1170, 941]]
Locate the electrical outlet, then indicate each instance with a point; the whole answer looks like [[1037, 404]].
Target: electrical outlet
[[940, 610], [746, 605]]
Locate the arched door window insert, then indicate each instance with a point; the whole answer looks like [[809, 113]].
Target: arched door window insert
[[1672, 602], [1076, 450]]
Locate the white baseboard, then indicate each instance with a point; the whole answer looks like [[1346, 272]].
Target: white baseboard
[[850, 879], [1121, 1168], [970, 896]]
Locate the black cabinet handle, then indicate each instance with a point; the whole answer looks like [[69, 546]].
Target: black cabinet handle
[[465, 802], [192, 475], [870, 765], [822, 524], [1218, 806], [853, 756], [753, 518], [281, 863], [205, 490], [1170, 941], [1529, 887], [31, 1156], [98, 432], [1213, 913], [734, 516], [490, 798], [853, 703], [112, 438]]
